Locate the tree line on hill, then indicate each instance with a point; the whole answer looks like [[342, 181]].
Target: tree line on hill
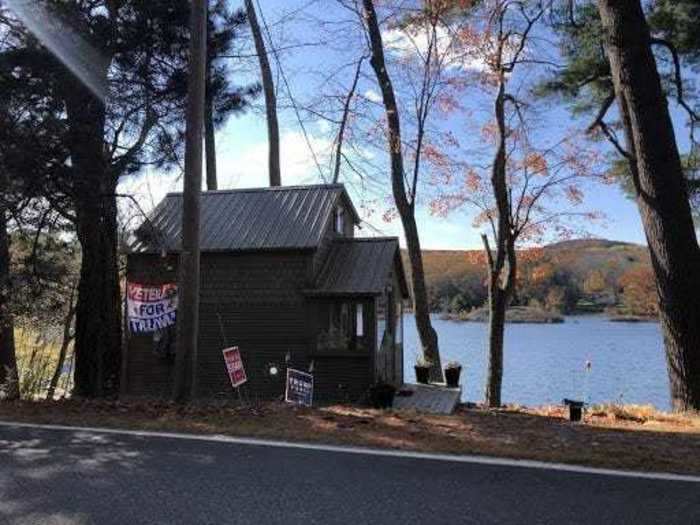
[[588, 278]]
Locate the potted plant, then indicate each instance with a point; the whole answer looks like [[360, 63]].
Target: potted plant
[[422, 368], [381, 394], [452, 371]]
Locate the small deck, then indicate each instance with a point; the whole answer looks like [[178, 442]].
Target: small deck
[[434, 398]]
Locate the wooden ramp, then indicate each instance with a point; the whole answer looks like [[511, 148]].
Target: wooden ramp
[[433, 398]]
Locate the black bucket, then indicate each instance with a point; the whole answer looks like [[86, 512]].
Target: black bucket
[[575, 409], [422, 374], [452, 376]]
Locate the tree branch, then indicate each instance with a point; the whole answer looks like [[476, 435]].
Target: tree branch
[[487, 249], [678, 78], [344, 120]]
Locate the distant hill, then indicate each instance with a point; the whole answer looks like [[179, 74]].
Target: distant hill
[[451, 272], [573, 244], [580, 255]]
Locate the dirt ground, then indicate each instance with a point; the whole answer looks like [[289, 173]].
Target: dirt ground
[[629, 437]]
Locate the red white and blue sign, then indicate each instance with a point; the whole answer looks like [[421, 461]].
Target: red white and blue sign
[[151, 307], [234, 366]]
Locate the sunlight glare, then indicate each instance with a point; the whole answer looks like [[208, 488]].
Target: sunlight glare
[[73, 51]]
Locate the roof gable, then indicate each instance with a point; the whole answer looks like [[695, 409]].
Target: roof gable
[[360, 266], [285, 217]]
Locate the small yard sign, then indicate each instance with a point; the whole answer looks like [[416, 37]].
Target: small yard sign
[[300, 387], [234, 366], [151, 307]]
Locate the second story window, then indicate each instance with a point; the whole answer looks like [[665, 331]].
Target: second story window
[[340, 221]]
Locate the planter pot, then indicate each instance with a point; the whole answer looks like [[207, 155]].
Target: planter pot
[[422, 374], [452, 376], [382, 396]]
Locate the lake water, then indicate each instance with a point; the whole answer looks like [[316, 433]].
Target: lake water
[[544, 363]]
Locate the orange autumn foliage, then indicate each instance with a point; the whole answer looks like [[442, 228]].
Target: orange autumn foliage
[[639, 295]]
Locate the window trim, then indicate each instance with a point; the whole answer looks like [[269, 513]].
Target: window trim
[[339, 221], [357, 342], [359, 319]]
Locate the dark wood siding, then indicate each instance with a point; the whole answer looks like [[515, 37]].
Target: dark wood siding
[[330, 234], [256, 295], [342, 375]]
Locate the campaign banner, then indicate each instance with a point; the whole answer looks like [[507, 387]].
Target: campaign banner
[[234, 366], [300, 387], [151, 307]]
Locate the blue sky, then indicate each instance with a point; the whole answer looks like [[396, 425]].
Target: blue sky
[[242, 145]]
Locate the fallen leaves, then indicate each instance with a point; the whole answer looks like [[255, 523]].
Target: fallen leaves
[[612, 436]]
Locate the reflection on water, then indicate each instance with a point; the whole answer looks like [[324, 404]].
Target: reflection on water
[[545, 363]]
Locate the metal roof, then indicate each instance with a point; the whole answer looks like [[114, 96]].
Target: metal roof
[[360, 266], [247, 219]]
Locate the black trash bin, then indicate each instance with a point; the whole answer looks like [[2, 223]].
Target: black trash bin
[[575, 409]]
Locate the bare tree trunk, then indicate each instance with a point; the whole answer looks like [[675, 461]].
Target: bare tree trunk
[[273, 133], [188, 279], [9, 377], [500, 289], [65, 343], [209, 128], [98, 316], [661, 193], [497, 320], [98, 313], [406, 208], [210, 141], [502, 267]]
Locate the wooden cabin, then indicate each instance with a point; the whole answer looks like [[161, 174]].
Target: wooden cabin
[[284, 278]]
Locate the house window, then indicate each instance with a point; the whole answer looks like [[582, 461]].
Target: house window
[[340, 221], [359, 320], [344, 329]]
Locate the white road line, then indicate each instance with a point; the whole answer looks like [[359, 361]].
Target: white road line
[[480, 460]]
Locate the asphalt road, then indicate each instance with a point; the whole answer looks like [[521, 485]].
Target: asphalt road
[[69, 476]]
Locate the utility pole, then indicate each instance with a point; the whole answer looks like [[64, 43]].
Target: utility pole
[[188, 278]]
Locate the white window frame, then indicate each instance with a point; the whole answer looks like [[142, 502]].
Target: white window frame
[[340, 220], [359, 320]]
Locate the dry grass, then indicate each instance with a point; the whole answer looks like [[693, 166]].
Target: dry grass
[[615, 437], [37, 357]]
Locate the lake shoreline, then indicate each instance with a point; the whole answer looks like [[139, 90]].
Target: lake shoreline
[[543, 317], [515, 314]]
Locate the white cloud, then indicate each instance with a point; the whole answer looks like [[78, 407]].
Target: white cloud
[[324, 126], [247, 166], [373, 96], [414, 43], [240, 164]]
